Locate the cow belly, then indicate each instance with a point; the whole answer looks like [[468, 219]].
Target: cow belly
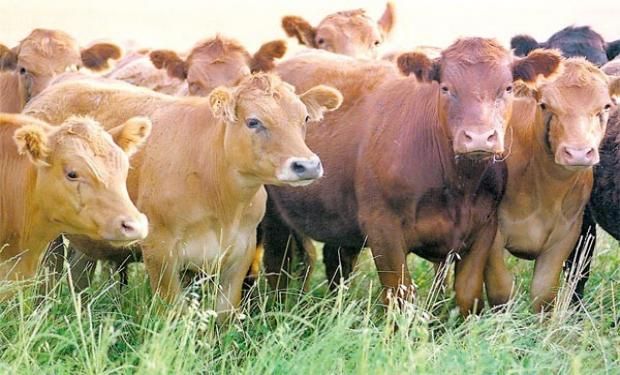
[[528, 238]]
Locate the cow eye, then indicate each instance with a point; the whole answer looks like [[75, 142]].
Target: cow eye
[[253, 123], [445, 89], [377, 42], [321, 41], [509, 89], [22, 71], [607, 107], [307, 118], [72, 175], [543, 106]]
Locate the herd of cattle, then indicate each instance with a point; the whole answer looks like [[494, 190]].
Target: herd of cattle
[[462, 152]]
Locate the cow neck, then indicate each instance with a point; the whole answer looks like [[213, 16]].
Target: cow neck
[[232, 190], [37, 229]]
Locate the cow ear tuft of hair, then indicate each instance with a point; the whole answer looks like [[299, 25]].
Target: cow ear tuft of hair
[[222, 102], [32, 140], [169, 60], [97, 56], [321, 99], [132, 134], [295, 26], [264, 59]]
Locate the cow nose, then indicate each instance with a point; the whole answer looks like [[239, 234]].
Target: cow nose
[[480, 141], [574, 156], [131, 229], [307, 169]]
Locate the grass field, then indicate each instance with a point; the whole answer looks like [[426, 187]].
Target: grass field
[[316, 333]]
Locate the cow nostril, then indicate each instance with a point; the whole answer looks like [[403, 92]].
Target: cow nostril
[[298, 168], [492, 137], [127, 227], [590, 153], [567, 153], [468, 137]]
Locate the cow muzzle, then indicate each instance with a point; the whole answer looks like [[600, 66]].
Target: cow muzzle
[[125, 230], [474, 143], [577, 156], [300, 171]]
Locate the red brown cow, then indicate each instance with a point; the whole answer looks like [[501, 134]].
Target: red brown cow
[[30, 67], [410, 167], [350, 33], [555, 143]]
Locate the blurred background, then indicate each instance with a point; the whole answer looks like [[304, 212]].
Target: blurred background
[[178, 24]]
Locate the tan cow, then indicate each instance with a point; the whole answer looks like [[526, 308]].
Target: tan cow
[[555, 143], [29, 68], [200, 177], [350, 33], [211, 63], [68, 179]]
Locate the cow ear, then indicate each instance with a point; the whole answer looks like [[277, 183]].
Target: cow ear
[[418, 64], [298, 27], [96, 56], [613, 49], [386, 22], [523, 44], [169, 60], [8, 58], [539, 62], [614, 86], [222, 102], [263, 59], [321, 99], [132, 134], [32, 140]]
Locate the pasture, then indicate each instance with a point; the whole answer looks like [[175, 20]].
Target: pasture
[[112, 330]]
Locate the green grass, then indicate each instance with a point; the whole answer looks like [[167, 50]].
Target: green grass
[[315, 333]]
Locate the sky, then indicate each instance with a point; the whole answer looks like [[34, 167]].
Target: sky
[[178, 24]]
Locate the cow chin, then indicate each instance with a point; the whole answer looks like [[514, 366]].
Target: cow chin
[[477, 155], [122, 244]]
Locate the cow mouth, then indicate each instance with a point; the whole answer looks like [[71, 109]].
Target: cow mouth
[[122, 243], [478, 155], [297, 183]]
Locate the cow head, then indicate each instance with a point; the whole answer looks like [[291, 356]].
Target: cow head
[[217, 62], [81, 173], [350, 33], [46, 53], [475, 79], [574, 109], [266, 123]]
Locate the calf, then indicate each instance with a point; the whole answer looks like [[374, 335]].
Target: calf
[[350, 33], [43, 54], [68, 179], [206, 198], [410, 167], [573, 42], [555, 140]]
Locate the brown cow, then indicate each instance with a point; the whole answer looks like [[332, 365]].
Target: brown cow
[[410, 167], [206, 198], [43, 54], [211, 63], [69, 179], [350, 33], [554, 146]]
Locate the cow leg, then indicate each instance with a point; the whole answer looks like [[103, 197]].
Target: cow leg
[[277, 257], [469, 272], [339, 263], [231, 284], [81, 268], [582, 255], [498, 279], [304, 249], [53, 265], [547, 272], [159, 253]]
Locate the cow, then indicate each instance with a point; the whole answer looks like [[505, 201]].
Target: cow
[[64, 179], [572, 42], [205, 199], [29, 67], [411, 167], [612, 68], [555, 137], [350, 33], [213, 62]]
